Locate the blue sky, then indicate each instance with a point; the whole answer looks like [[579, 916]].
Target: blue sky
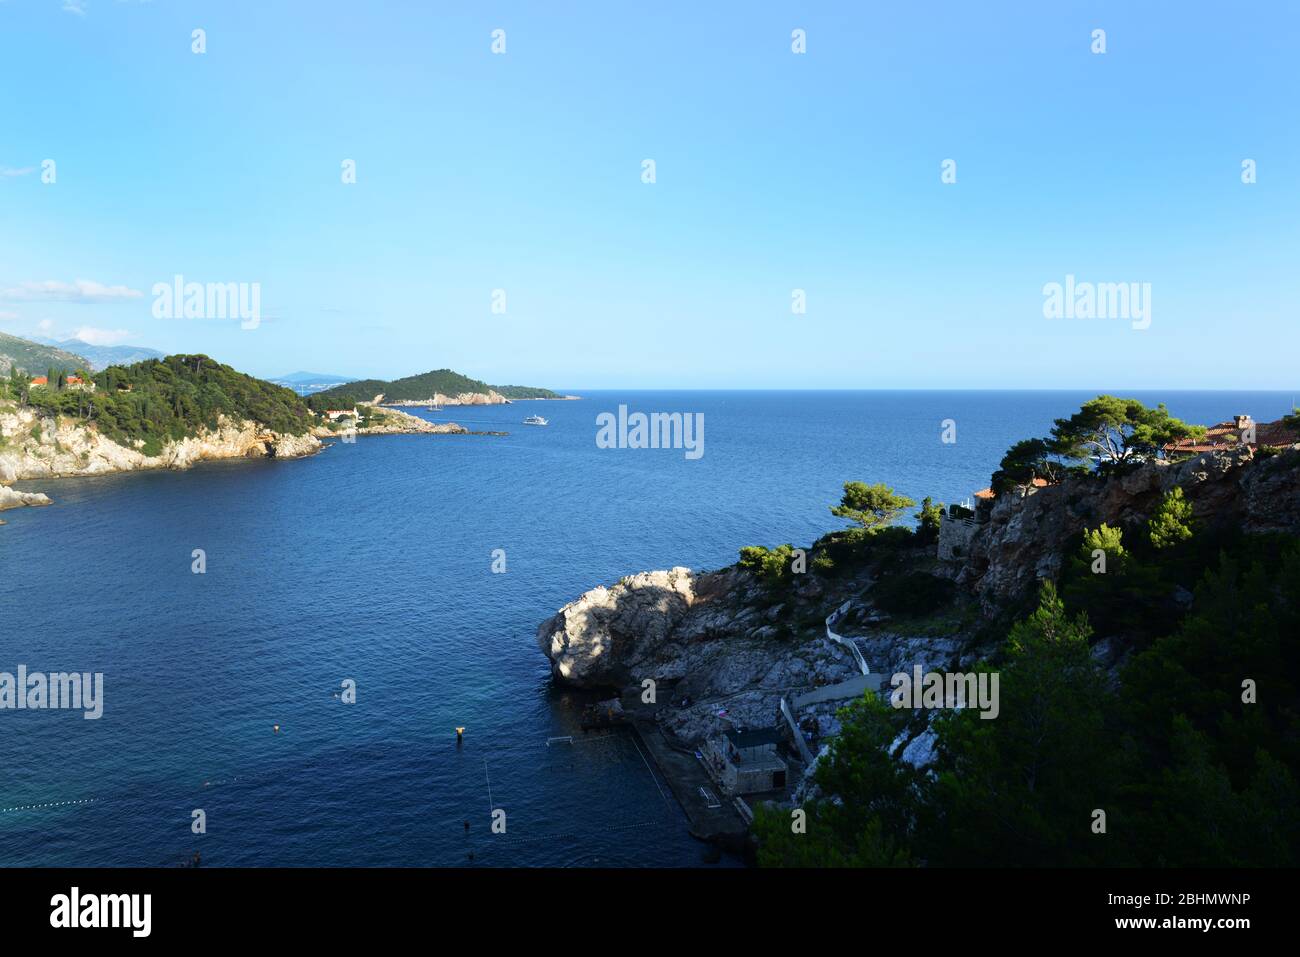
[[775, 172]]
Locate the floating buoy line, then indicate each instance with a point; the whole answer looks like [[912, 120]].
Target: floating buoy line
[[156, 794], [40, 807]]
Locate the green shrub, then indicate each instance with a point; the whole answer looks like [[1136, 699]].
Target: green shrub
[[770, 565]]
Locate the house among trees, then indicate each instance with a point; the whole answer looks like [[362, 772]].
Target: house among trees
[[987, 494], [70, 382], [1241, 431], [335, 415]]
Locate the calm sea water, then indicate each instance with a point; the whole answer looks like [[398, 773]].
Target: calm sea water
[[373, 561]]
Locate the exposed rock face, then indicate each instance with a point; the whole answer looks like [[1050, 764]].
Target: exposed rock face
[[889, 653], [397, 423], [12, 499], [1024, 538], [728, 654], [38, 447], [600, 639], [491, 397], [715, 653], [1270, 494]]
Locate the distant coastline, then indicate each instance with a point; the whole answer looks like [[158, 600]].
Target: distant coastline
[[172, 414], [36, 450], [439, 386], [474, 398]]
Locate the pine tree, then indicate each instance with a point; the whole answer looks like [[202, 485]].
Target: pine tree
[[1172, 521]]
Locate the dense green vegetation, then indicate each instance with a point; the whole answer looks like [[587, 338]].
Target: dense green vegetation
[[414, 388], [1192, 756], [1114, 430], [525, 392], [912, 593], [874, 539], [1110, 431], [158, 400], [1129, 579], [1190, 745], [887, 551], [871, 506], [1172, 522], [770, 564]]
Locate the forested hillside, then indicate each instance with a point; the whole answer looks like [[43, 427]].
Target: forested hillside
[[162, 399], [416, 388]]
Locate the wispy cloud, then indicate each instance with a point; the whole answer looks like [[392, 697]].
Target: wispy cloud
[[101, 337], [81, 290], [8, 171], [75, 6], [7, 316]]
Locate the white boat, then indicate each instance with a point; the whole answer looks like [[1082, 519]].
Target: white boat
[[535, 420]]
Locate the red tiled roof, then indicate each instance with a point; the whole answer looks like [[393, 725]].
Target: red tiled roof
[[1227, 435], [988, 493]]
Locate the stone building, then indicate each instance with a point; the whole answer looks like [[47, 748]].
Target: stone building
[[750, 763]]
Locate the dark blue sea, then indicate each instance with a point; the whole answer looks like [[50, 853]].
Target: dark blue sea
[[373, 562]]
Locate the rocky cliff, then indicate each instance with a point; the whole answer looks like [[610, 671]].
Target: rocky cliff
[[721, 653], [393, 422], [40, 447], [1023, 538], [728, 650], [491, 397], [34, 446], [9, 498]]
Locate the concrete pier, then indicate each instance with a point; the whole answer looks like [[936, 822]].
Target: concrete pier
[[694, 789]]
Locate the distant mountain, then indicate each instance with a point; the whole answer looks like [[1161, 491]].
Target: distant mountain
[[306, 378], [416, 388], [101, 357], [35, 357], [307, 383]]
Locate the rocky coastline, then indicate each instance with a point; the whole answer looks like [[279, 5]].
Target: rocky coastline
[[393, 422], [463, 398], [44, 447], [1021, 540], [491, 397], [725, 653], [35, 447]]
